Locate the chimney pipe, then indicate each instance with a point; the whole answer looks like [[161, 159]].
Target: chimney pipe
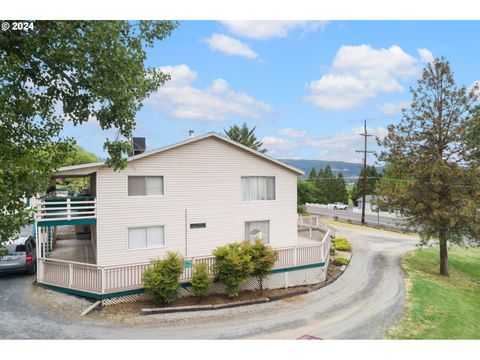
[[190, 133]]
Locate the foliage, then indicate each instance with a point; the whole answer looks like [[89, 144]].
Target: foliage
[[434, 146], [324, 187], [200, 279], [263, 258], [80, 156], [341, 244], [3, 252], [339, 261], [441, 307], [305, 191], [233, 265], [245, 136], [75, 71], [162, 279], [301, 209], [372, 180]]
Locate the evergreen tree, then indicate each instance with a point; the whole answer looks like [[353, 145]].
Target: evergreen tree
[[312, 175], [433, 143], [245, 136], [341, 193], [372, 180]]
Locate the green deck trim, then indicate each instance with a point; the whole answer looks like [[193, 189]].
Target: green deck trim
[[184, 285], [66, 222]]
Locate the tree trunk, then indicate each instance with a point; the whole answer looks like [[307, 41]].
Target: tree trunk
[[260, 283], [443, 255]]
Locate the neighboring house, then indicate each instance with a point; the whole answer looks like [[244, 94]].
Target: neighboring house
[[369, 203], [190, 198]]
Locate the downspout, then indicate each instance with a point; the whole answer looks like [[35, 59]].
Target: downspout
[[186, 235]]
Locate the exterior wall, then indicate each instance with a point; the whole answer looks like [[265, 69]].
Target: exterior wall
[[202, 177]]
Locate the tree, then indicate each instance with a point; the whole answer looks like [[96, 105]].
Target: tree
[[372, 179], [80, 156], [432, 143], [263, 258], [305, 192], [312, 175], [341, 193], [61, 71], [245, 136]]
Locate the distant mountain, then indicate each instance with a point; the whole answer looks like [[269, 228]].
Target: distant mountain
[[350, 170]]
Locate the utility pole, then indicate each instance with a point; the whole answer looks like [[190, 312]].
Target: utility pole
[[364, 151]]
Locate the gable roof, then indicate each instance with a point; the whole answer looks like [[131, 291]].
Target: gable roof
[[90, 167]]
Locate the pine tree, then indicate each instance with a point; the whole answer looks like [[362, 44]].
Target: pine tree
[[312, 175], [245, 136], [433, 143]]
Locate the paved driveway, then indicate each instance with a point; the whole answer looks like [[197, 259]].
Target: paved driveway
[[362, 304]]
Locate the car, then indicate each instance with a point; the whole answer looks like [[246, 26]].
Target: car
[[337, 206], [18, 255]]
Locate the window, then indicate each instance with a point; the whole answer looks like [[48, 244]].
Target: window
[[258, 188], [145, 185], [146, 237], [257, 230]]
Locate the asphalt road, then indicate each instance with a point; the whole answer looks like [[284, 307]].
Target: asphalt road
[[362, 304], [391, 222]]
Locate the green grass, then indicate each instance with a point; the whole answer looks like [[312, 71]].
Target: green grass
[[441, 307]]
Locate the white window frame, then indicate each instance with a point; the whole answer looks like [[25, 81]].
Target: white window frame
[[261, 201], [269, 229], [144, 227], [145, 196]]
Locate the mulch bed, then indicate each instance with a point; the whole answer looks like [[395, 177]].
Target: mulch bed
[[214, 299]]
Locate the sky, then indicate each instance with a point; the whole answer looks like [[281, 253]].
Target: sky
[[306, 86]]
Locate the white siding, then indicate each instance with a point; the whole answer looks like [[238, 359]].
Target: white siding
[[204, 178]]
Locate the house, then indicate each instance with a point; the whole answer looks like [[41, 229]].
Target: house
[[189, 197]]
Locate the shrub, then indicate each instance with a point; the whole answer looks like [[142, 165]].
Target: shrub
[[162, 279], [263, 258], [301, 209], [340, 261], [332, 250], [200, 279], [233, 265], [341, 244]]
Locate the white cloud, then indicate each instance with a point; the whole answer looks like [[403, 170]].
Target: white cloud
[[425, 55], [277, 143], [359, 73], [340, 146], [389, 108], [262, 30], [293, 133], [230, 46], [215, 103]]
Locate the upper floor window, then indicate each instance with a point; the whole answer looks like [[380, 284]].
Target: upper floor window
[[145, 185], [258, 188]]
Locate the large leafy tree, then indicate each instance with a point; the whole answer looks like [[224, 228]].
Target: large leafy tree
[[63, 71], [245, 136], [435, 146]]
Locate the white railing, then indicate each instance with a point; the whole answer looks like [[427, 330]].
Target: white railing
[[65, 209], [110, 279], [313, 222]]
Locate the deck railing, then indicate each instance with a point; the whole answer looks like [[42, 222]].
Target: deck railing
[[65, 209], [110, 279]]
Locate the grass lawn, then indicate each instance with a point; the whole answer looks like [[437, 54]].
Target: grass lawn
[[441, 307]]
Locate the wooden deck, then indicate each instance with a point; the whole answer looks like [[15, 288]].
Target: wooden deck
[[100, 280]]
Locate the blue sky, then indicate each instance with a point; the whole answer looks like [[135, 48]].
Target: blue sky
[[307, 86]]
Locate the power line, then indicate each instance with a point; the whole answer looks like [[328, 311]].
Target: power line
[[366, 135]]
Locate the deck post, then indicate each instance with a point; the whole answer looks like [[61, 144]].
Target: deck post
[[69, 214], [294, 256], [103, 280], [70, 275]]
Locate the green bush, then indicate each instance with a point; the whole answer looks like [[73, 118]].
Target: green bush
[[162, 279], [332, 250], [233, 265], [263, 258], [301, 209], [200, 279], [341, 244], [339, 261]]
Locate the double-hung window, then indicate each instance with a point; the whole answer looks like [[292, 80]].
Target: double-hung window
[[257, 230], [146, 237], [145, 186], [258, 188]]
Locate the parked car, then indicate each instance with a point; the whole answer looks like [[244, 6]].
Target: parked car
[[18, 255], [337, 206]]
